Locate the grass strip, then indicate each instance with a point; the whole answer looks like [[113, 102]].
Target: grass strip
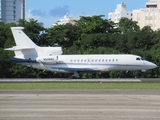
[[52, 86]]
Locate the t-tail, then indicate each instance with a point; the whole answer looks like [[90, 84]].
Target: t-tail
[[26, 49]]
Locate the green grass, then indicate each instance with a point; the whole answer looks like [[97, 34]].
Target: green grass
[[54, 86]]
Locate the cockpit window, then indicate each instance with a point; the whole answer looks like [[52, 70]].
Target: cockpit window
[[142, 58], [138, 58]]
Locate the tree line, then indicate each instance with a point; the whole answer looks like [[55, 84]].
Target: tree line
[[89, 35]]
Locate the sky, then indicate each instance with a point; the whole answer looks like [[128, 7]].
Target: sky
[[49, 11]]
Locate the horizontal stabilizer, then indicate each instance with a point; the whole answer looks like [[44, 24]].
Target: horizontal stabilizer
[[18, 48]]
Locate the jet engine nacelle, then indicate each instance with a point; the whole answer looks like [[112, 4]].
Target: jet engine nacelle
[[47, 59]]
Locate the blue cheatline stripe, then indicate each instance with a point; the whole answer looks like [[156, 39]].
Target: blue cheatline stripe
[[19, 60], [72, 69]]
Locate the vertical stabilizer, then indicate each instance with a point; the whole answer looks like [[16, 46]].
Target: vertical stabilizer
[[21, 38], [26, 49]]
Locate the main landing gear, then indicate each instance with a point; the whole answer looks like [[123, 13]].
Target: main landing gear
[[135, 74], [75, 75]]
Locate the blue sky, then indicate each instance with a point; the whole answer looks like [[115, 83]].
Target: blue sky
[[48, 11]]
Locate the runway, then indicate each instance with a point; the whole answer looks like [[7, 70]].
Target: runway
[[104, 80], [80, 105]]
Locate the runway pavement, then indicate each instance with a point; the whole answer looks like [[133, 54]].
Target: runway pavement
[[80, 105], [104, 80]]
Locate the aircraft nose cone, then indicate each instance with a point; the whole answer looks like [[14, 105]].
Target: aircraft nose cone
[[152, 65]]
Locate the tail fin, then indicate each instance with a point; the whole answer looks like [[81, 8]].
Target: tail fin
[[21, 38], [26, 49], [24, 45]]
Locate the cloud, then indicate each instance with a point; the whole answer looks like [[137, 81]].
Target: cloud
[[29, 15], [59, 11], [38, 13], [46, 19]]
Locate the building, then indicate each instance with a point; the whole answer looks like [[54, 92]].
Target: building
[[66, 19], [149, 16], [120, 12], [12, 10]]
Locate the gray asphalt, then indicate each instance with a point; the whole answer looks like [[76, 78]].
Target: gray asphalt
[[15, 80], [80, 105]]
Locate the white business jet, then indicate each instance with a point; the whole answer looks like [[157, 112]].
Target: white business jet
[[51, 58]]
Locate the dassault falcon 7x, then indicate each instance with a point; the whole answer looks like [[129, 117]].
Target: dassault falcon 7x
[[51, 58]]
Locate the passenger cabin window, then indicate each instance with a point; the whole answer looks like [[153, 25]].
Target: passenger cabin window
[[98, 60]]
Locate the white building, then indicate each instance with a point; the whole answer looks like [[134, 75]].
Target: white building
[[120, 12], [149, 16], [12, 10], [66, 19]]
